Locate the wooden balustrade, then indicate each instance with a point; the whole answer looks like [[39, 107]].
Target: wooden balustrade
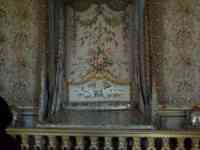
[[108, 139]]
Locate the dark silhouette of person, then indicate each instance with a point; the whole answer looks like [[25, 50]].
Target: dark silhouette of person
[[7, 142]]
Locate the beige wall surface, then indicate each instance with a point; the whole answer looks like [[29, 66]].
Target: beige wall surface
[[175, 35], [174, 27], [19, 50]]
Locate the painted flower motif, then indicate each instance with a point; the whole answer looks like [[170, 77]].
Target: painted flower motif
[[100, 59], [108, 51]]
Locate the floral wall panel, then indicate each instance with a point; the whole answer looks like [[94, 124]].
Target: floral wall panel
[[98, 49], [18, 51], [176, 50]]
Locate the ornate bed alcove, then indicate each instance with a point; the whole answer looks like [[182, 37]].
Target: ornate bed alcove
[[95, 72], [97, 47]]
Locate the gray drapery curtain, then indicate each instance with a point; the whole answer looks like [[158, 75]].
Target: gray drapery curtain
[[53, 90], [141, 64]]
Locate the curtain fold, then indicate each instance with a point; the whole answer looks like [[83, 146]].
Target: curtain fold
[[59, 91], [53, 80], [142, 65]]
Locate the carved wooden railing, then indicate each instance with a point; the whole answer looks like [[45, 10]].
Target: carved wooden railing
[[105, 139]]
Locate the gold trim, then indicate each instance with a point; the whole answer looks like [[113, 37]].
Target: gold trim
[[175, 108], [105, 132], [105, 75]]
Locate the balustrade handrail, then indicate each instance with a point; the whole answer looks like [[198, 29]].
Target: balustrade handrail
[[105, 132]]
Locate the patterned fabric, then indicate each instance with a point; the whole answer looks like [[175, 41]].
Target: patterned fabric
[[104, 51], [99, 61]]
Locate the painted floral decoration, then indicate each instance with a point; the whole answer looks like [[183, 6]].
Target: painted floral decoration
[[100, 59]]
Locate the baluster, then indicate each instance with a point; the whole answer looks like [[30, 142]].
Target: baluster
[[65, 142], [136, 145], [180, 143], [165, 144], [151, 144], [37, 142], [25, 144], [79, 141], [108, 143], [195, 143], [52, 144], [122, 143], [94, 142]]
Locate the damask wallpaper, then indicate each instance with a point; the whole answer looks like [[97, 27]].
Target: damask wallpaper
[[174, 41], [18, 51], [175, 34]]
